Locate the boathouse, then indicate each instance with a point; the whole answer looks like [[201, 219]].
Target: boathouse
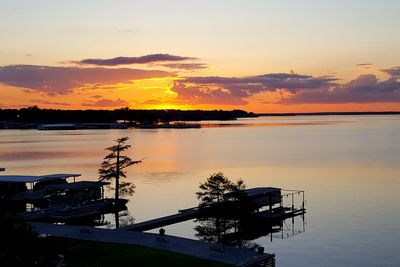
[[29, 187], [259, 197], [77, 191]]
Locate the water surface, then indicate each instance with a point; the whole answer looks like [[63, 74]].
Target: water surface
[[347, 165]]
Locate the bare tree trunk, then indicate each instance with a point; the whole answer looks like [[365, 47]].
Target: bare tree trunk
[[117, 189], [117, 177]]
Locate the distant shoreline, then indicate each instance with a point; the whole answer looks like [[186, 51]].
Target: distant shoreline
[[330, 113], [50, 119]]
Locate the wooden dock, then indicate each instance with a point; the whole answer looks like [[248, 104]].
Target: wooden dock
[[193, 213], [289, 213], [181, 216]]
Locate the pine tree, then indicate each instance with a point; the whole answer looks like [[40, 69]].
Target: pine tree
[[113, 167], [213, 193], [216, 187]]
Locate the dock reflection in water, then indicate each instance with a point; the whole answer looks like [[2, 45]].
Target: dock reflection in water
[[242, 232]]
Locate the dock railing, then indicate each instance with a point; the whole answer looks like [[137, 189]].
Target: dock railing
[[293, 199]]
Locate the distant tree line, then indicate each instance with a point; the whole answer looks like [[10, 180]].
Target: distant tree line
[[35, 114]]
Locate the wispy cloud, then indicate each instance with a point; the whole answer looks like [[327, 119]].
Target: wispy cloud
[[106, 103], [96, 96], [363, 65], [46, 102], [147, 59], [62, 80], [185, 66], [129, 30]]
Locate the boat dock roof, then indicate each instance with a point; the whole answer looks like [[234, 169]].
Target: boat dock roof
[[34, 178], [259, 191], [256, 192], [77, 185]]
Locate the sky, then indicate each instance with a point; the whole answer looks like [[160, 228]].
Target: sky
[[255, 55]]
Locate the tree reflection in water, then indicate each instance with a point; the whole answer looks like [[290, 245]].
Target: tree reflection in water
[[222, 230], [239, 231], [122, 218]]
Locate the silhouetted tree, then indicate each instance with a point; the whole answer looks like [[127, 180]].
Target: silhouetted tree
[[214, 194], [113, 167], [216, 187]]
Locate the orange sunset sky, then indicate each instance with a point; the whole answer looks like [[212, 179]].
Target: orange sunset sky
[[260, 56]]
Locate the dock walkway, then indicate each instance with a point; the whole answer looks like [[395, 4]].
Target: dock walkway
[[182, 216], [200, 249]]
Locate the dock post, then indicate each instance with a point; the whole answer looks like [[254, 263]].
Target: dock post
[[270, 204], [292, 202]]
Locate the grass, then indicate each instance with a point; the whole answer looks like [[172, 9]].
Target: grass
[[90, 253]]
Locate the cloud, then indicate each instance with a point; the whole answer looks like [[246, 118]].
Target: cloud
[[106, 103], [62, 80], [46, 102], [363, 65], [206, 95], [153, 58], [96, 96], [365, 89], [233, 90], [129, 30], [289, 88], [185, 66], [394, 72], [267, 82], [158, 102], [153, 102]]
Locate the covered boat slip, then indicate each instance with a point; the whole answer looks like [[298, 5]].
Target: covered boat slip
[[33, 179], [30, 187], [271, 202], [75, 213], [76, 191], [259, 196], [54, 198]]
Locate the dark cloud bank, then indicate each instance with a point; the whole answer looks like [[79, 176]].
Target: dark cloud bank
[[153, 58], [304, 89], [210, 90], [214, 90]]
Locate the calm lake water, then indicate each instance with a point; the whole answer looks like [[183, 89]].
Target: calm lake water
[[348, 167]]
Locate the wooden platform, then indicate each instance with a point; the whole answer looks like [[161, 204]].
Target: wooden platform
[[193, 213], [183, 215]]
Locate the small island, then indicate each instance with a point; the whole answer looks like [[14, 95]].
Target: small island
[[56, 119]]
